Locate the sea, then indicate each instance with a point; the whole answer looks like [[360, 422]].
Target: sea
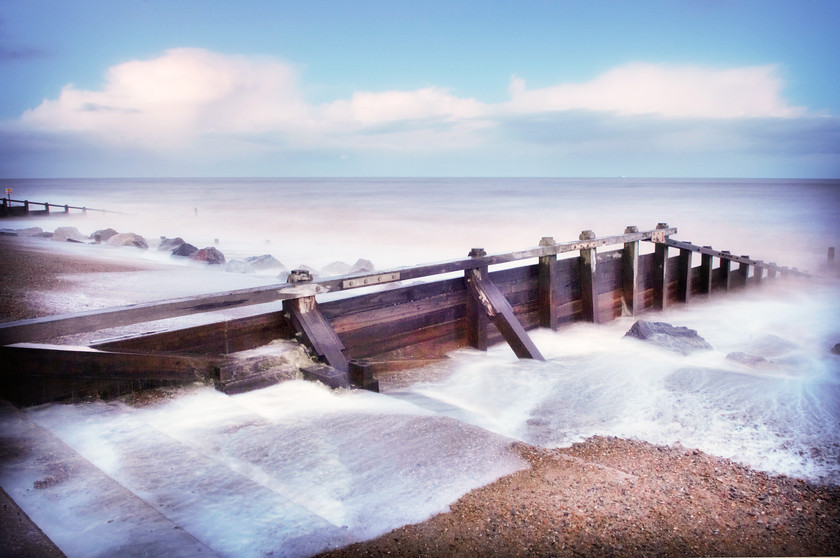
[[338, 466]]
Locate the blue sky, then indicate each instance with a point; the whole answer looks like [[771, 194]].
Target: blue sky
[[399, 88]]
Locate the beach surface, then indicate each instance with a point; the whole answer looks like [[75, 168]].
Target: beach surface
[[602, 497]]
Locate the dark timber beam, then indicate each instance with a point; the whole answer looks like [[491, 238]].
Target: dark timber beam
[[548, 286], [316, 332], [660, 271], [706, 262], [499, 310], [588, 283], [477, 317], [630, 275], [684, 277]]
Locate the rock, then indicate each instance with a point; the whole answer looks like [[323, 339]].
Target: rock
[[237, 266], [185, 250], [31, 231], [753, 361], [265, 262], [362, 266], [210, 255], [836, 349], [128, 239], [170, 244], [104, 234], [336, 268], [63, 234], [680, 339], [8, 232]]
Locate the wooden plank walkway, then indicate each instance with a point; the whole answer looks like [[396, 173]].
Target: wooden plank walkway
[[419, 320]]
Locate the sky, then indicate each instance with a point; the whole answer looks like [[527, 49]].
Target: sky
[[157, 88]]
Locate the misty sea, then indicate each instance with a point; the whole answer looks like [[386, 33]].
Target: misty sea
[[781, 418]]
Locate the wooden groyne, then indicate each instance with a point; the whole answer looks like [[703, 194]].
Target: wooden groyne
[[415, 314], [26, 208]]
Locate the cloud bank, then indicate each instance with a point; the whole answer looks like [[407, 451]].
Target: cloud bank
[[197, 103]]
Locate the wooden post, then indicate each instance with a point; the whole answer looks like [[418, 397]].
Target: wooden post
[[771, 273], [831, 258], [629, 274], [588, 284], [477, 319], [47, 208], [660, 264], [26, 207], [314, 330], [725, 275], [706, 273], [743, 273], [66, 208], [547, 288], [494, 304], [758, 272], [684, 279]]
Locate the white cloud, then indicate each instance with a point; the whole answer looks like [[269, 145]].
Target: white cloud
[[663, 90], [177, 97], [206, 104]]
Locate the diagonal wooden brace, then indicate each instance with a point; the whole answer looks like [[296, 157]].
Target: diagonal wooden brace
[[500, 312], [316, 331]]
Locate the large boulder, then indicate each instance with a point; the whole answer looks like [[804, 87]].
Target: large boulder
[[103, 235], [170, 244], [335, 269], [68, 234], [362, 266], [836, 349], [30, 231], [209, 255], [674, 338], [128, 239], [185, 250], [266, 262], [238, 266]]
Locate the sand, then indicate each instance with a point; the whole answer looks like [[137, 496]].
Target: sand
[[602, 497]]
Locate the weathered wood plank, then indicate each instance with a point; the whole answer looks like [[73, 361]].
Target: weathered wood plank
[[588, 283], [499, 311], [629, 275], [548, 287], [316, 331], [34, 374], [684, 276]]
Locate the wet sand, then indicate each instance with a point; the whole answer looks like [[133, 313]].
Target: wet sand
[[602, 497]]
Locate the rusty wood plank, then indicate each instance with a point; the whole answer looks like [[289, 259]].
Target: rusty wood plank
[[316, 331], [498, 309], [726, 255]]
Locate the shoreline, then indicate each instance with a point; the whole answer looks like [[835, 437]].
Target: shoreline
[[604, 496]]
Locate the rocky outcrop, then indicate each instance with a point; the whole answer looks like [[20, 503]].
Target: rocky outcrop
[[209, 255], [266, 262], [751, 361], [238, 266], [128, 239], [362, 266], [103, 235], [170, 244], [674, 338], [68, 234], [335, 268], [185, 250], [836, 349]]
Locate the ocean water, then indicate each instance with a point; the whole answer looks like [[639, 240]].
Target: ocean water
[[341, 466]]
